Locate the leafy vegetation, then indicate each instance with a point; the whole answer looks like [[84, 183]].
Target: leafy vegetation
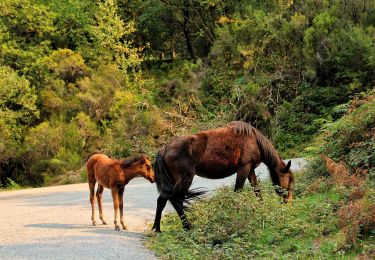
[[332, 214], [121, 77]]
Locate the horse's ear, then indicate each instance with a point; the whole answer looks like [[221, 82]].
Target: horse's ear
[[287, 167], [143, 159]]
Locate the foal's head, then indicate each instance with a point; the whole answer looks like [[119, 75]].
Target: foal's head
[[286, 180], [146, 169]]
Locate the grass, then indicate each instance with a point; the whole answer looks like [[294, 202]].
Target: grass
[[11, 185], [237, 225]]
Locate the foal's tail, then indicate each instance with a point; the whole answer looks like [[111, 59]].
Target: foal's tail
[[166, 184]]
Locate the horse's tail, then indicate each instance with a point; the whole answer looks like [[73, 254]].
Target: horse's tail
[[166, 184], [164, 181], [193, 194]]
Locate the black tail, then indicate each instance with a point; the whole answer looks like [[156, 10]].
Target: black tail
[[164, 181], [192, 195], [166, 184]]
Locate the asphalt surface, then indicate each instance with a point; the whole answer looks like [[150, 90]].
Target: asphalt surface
[[54, 222]]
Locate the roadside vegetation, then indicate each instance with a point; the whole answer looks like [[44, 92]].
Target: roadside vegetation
[[332, 215], [123, 77]]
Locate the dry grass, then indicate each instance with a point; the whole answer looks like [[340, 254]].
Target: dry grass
[[357, 216]]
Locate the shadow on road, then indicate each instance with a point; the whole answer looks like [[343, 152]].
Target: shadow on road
[[100, 230]]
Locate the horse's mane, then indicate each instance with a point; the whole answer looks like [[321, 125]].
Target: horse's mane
[[127, 162], [269, 155], [241, 127]]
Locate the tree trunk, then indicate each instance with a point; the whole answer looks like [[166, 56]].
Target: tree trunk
[[186, 30]]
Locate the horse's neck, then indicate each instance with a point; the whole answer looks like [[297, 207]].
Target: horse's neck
[[272, 166]]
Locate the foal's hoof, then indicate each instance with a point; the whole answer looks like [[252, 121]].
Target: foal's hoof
[[117, 228], [104, 222], [94, 223]]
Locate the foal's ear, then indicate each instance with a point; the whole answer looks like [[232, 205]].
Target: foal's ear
[[287, 167], [143, 159]]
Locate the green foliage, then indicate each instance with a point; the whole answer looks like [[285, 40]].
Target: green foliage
[[287, 67], [331, 215], [18, 110], [236, 225], [27, 28], [66, 65], [111, 38], [351, 138]]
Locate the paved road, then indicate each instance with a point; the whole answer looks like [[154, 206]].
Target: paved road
[[54, 222]]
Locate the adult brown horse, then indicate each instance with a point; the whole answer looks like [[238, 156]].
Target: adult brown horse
[[235, 148], [114, 175]]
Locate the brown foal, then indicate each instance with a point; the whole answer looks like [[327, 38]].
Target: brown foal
[[114, 175]]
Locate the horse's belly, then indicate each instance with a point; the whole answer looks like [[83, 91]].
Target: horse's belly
[[215, 171]]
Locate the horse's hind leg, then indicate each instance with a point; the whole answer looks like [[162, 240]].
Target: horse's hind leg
[[99, 196], [254, 182], [178, 198], [121, 199], [162, 201], [178, 206], [115, 206], [92, 200]]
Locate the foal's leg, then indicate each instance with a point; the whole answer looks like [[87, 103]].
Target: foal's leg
[[99, 196], [254, 182], [162, 201], [242, 174], [121, 199], [115, 206], [92, 200]]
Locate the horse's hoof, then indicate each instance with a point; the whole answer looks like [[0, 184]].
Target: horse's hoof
[[117, 228], [104, 223], [187, 226], [94, 223], [124, 227], [157, 230]]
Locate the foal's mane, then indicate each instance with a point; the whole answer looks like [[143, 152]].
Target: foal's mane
[[269, 155], [127, 162]]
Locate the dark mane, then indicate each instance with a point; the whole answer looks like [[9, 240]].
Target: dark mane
[[127, 162], [241, 127], [269, 155]]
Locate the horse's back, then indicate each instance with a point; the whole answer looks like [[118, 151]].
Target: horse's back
[[214, 153], [93, 162]]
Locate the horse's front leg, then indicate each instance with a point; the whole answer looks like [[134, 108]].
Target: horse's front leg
[[115, 206], [121, 198], [242, 174], [254, 182]]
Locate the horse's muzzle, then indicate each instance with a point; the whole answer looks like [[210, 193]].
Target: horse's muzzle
[[281, 191]]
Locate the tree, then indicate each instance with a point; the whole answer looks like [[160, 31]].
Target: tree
[[18, 111], [112, 43]]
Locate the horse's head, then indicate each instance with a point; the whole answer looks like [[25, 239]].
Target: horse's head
[[146, 169], [286, 180]]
